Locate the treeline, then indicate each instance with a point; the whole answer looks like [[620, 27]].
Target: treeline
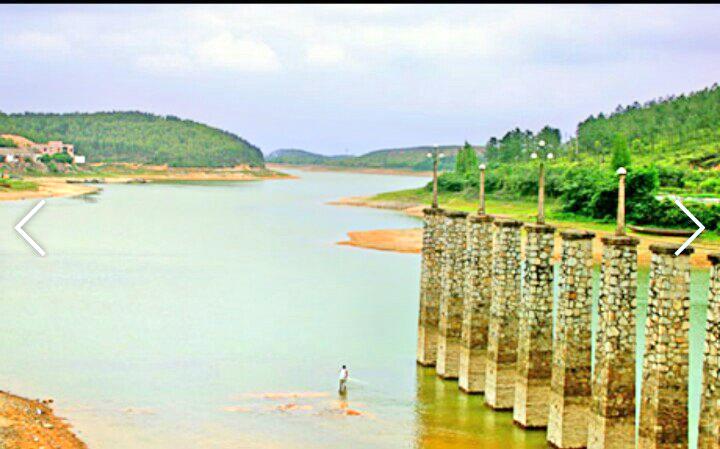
[[136, 137], [681, 129], [667, 145], [413, 158]]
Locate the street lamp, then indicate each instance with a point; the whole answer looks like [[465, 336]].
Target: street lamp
[[435, 155], [541, 181], [481, 210], [620, 230]]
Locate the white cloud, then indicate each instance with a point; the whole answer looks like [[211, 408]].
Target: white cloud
[[35, 42], [326, 55], [229, 52]]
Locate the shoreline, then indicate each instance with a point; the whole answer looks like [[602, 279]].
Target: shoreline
[[31, 424], [68, 186], [409, 240], [363, 170]]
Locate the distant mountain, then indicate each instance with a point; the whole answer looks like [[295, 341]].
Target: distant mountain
[[411, 158], [136, 137], [300, 157]]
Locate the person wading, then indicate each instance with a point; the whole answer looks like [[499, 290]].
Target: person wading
[[344, 374]]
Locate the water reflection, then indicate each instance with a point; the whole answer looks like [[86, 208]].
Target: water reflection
[[448, 419]]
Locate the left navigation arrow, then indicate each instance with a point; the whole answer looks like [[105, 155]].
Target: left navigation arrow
[[19, 228]]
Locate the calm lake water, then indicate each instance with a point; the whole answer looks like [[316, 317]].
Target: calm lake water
[[217, 316]]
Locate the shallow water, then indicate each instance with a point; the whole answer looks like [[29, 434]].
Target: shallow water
[[164, 313]]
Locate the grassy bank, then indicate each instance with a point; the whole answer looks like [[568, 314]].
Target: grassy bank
[[17, 185], [524, 209]]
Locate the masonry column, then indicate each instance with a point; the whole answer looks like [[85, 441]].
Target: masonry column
[[709, 436], [612, 408], [478, 294], [534, 361], [664, 403], [503, 327], [452, 280], [430, 287], [570, 380]]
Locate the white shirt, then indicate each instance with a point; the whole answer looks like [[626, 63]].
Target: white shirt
[[344, 374]]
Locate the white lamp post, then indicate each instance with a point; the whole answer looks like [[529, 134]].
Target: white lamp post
[[481, 210]]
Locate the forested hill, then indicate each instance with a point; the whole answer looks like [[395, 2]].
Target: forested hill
[[136, 137], [681, 130], [412, 158]]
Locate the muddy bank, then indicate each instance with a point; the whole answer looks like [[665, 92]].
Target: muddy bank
[[29, 424], [410, 240]]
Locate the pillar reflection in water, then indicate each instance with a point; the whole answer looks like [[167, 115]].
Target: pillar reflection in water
[[446, 418]]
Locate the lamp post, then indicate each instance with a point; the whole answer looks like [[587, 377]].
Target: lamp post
[[541, 181], [621, 172], [481, 210], [435, 155]]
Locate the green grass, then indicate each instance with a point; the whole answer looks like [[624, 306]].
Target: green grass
[[524, 209], [17, 184]]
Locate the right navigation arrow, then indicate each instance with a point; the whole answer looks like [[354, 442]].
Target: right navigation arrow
[[700, 226]]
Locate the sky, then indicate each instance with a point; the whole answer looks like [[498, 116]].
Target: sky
[[339, 79]]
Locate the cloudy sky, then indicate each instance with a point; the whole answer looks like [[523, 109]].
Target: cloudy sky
[[338, 79]]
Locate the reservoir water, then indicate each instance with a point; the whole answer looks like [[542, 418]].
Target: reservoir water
[[218, 315]]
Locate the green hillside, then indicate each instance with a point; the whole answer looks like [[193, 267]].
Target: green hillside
[[679, 130], [136, 137], [669, 146], [412, 158]]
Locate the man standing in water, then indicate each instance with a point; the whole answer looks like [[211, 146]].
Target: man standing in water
[[344, 374]]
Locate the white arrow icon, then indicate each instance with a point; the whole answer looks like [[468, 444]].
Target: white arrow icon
[[23, 234], [700, 226]]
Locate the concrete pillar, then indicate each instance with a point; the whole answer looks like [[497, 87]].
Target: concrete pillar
[[612, 408], [572, 363], [452, 280], [664, 401], [503, 327], [429, 287], [478, 295], [534, 359], [709, 435]]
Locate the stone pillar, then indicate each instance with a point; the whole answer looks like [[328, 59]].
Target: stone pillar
[[612, 408], [709, 435], [571, 368], [452, 280], [430, 287], [478, 295], [664, 402], [534, 354], [503, 327]]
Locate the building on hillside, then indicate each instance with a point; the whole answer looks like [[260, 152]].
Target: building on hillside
[[35, 151], [54, 147], [18, 154]]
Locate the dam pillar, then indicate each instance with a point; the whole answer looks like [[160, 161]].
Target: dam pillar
[[571, 358], [503, 326], [709, 435], [478, 294], [612, 408], [534, 353], [452, 283], [430, 287], [664, 401]]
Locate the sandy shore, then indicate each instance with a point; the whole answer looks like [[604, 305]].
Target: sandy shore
[[49, 186], [410, 240], [28, 424]]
